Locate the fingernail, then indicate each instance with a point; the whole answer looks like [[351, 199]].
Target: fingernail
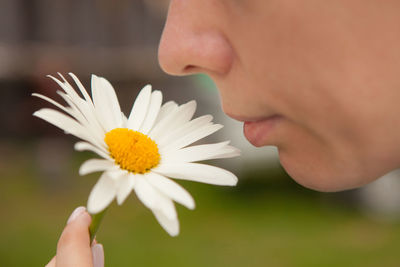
[[75, 214], [98, 255]]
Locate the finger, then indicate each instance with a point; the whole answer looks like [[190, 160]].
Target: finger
[[73, 248], [98, 255], [52, 263]]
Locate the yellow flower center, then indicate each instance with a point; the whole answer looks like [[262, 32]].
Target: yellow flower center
[[131, 150]]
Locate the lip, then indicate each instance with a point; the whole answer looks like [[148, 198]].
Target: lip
[[248, 119], [260, 132]]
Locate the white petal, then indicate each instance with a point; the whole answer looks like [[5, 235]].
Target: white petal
[[202, 152], [174, 120], [139, 109], [116, 172], [171, 226], [106, 103], [185, 129], [163, 125], [152, 112], [171, 189], [166, 109], [83, 109], [125, 186], [187, 111], [66, 110], [81, 88], [62, 121], [86, 106], [103, 193], [83, 146], [95, 165], [74, 106], [71, 90], [227, 152], [67, 88], [166, 206], [70, 96], [152, 198], [92, 124], [80, 110], [185, 114], [124, 121], [145, 192], [85, 115], [197, 172], [192, 137]]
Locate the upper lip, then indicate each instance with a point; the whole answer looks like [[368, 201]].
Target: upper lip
[[251, 119]]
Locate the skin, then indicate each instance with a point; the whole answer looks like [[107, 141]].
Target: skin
[[73, 248], [328, 71]]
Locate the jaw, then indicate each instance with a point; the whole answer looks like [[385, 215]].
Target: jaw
[[322, 172]]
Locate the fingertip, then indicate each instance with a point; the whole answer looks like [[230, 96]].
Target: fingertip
[[86, 218], [80, 213], [77, 228], [74, 244], [76, 213]]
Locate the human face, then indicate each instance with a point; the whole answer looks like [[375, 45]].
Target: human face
[[318, 79]]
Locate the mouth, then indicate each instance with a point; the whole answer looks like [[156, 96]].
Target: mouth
[[249, 119], [260, 132]]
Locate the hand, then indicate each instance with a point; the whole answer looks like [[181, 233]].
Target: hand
[[73, 248]]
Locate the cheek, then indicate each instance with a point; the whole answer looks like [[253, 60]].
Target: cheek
[[321, 72]]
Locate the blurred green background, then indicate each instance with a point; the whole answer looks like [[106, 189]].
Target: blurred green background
[[267, 220]]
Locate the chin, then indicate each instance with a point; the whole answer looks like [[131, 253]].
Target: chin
[[316, 175], [320, 183]]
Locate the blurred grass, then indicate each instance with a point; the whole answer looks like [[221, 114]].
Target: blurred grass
[[267, 220]]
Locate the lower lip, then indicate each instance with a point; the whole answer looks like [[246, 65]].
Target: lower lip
[[259, 133]]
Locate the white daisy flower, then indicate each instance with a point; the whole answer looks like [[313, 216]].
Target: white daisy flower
[[140, 152]]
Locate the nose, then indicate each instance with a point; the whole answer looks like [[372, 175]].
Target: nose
[[193, 42]]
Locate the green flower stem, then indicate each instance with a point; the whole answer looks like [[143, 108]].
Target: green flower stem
[[94, 226]]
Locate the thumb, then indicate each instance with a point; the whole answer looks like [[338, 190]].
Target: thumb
[[73, 248]]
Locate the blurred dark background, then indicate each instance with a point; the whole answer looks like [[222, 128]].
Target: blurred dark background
[[267, 220]]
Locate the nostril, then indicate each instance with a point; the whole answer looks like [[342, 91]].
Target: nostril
[[189, 69]]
